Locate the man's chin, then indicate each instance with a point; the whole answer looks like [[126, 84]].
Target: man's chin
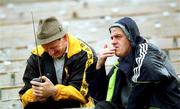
[[56, 56], [118, 54]]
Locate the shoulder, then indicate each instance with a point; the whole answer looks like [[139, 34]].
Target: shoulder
[[149, 64], [75, 46], [147, 54], [39, 50]]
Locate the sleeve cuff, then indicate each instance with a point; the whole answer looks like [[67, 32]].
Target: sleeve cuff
[[68, 92], [27, 97]]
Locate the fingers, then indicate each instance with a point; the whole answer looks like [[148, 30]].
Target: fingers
[[105, 46], [103, 55], [44, 78], [108, 55], [43, 89], [38, 93], [108, 52], [37, 88], [35, 83]]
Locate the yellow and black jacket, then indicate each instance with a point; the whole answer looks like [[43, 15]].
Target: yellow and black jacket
[[78, 71]]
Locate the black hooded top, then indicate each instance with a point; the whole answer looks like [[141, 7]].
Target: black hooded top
[[153, 80]]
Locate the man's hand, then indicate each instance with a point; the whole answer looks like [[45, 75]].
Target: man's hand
[[103, 54], [43, 90]]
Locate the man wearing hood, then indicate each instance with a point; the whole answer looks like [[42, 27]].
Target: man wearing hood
[[142, 77]]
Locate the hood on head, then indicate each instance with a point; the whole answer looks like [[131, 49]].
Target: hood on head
[[130, 29]]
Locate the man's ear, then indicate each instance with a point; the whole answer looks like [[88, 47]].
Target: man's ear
[[65, 37]]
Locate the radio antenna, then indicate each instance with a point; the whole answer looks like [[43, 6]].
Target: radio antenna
[[35, 37]]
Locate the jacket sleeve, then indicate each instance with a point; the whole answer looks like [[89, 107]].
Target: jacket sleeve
[[68, 92], [147, 77], [27, 97], [31, 72], [98, 86], [151, 68], [140, 96]]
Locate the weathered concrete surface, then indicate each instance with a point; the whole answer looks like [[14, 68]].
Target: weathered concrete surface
[[158, 21], [20, 13]]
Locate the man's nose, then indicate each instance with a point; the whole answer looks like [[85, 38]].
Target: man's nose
[[50, 51], [113, 41]]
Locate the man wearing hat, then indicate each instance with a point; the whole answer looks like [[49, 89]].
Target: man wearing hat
[[142, 77], [66, 64]]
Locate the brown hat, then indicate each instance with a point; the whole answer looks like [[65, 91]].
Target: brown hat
[[49, 29]]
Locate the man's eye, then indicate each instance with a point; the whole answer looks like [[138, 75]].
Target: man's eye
[[118, 36], [53, 47]]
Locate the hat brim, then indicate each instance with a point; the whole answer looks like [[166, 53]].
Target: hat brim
[[52, 38]]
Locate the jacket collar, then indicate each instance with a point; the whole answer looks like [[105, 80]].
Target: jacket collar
[[126, 63]]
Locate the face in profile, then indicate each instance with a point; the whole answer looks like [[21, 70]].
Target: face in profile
[[120, 42], [56, 48]]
